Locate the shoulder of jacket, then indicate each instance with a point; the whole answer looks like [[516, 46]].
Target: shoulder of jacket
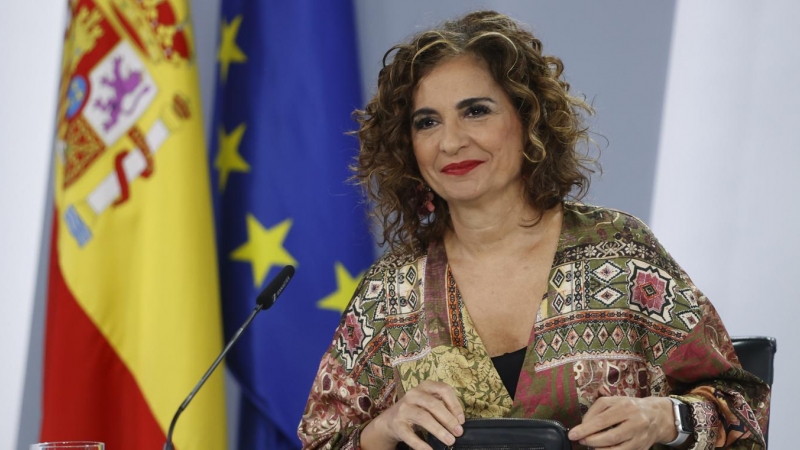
[[601, 214], [395, 261]]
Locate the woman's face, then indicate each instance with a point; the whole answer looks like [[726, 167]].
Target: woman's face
[[466, 134]]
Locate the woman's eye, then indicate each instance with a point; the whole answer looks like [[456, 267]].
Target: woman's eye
[[477, 110], [424, 123]]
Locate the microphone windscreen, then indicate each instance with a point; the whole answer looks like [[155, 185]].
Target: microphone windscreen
[[270, 293]]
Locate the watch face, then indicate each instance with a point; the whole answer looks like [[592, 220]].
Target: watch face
[[687, 424]]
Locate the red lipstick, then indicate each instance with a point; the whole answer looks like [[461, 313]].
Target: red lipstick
[[461, 168]]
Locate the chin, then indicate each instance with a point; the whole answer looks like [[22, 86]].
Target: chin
[[461, 197]]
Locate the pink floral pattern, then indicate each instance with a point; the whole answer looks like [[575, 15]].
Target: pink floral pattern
[[352, 334], [652, 291], [648, 292]]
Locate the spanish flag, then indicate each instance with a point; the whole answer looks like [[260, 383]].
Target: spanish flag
[[133, 315]]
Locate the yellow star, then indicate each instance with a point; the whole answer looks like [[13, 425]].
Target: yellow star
[[229, 52], [228, 159], [264, 248], [346, 287]]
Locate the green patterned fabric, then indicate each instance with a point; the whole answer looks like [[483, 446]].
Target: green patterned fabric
[[620, 317]]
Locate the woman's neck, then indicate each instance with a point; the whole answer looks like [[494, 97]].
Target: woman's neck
[[501, 228]]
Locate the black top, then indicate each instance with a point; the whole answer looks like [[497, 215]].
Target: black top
[[509, 366]]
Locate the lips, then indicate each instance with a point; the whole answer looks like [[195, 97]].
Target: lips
[[461, 168]]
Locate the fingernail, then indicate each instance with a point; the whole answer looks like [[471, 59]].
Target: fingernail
[[459, 430], [450, 440], [461, 418], [572, 435]]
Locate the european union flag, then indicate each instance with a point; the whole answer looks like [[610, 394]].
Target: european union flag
[[288, 83]]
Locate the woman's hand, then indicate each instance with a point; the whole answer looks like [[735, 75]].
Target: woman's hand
[[626, 423], [432, 405]]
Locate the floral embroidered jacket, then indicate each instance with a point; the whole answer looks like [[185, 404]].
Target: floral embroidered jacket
[[619, 314]]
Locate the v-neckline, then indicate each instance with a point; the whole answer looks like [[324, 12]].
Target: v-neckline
[[468, 319], [477, 342], [439, 265]]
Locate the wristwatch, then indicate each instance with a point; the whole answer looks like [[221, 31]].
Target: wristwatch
[[683, 422]]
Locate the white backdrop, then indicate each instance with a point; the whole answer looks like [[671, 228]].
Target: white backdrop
[[725, 202], [30, 54]]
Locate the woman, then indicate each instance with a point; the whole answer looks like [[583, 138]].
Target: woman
[[499, 297]]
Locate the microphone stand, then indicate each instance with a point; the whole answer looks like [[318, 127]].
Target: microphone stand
[[264, 300], [168, 444]]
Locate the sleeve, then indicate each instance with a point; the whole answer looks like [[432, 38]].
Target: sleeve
[[355, 380], [730, 406]]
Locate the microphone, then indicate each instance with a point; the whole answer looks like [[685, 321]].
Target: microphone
[[264, 301]]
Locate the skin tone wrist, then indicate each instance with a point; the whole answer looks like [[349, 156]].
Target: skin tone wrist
[[431, 406], [626, 423], [371, 439]]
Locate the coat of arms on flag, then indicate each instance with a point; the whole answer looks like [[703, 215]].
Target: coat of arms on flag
[[133, 313], [108, 90]]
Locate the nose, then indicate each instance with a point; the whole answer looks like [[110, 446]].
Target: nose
[[454, 138]]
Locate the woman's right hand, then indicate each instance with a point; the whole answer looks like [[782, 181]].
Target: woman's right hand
[[432, 406]]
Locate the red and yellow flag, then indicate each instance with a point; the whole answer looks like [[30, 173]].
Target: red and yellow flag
[[133, 311]]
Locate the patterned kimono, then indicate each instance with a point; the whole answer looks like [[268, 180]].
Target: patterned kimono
[[619, 316]]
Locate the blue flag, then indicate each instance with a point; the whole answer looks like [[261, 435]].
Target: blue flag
[[288, 83]]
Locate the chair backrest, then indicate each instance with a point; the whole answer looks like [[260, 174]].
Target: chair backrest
[[756, 353]]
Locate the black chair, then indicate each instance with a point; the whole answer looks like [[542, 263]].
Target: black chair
[[757, 353]]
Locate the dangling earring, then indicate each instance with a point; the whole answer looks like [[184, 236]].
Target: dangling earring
[[425, 199]]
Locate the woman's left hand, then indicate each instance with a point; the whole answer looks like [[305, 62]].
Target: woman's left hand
[[626, 423]]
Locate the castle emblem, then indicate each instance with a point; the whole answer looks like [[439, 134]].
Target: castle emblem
[[107, 88]]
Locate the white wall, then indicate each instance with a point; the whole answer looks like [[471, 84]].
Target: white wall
[[725, 201], [30, 47]]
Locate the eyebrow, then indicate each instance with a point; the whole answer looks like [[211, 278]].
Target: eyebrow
[[467, 102], [423, 111], [471, 101]]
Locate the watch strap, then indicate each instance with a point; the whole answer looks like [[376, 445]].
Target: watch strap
[[684, 429]]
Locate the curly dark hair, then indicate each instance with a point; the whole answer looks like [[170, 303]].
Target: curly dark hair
[[552, 118]]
